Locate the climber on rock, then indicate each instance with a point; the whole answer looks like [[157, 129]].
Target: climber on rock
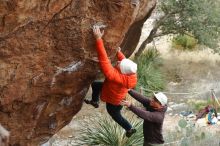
[[117, 81]]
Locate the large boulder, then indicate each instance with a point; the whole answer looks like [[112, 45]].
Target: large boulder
[[48, 59]]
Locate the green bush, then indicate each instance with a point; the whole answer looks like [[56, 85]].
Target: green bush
[[184, 42], [149, 74], [102, 131]]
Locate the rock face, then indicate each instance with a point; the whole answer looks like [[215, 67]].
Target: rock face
[[48, 59]]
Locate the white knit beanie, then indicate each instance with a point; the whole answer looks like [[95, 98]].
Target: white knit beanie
[[161, 97], [128, 67]]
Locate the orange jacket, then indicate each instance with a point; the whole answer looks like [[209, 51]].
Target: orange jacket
[[116, 84]]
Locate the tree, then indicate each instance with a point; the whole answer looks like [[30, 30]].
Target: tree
[[197, 18]]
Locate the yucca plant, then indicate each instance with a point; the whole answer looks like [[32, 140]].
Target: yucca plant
[[149, 75], [103, 131]]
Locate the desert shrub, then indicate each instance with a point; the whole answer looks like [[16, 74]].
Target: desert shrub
[[102, 131], [149, 74], [184, 42], [197, 105]]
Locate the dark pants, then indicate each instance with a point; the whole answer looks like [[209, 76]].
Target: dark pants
[[148, 144], [96, 90], [113, 110]]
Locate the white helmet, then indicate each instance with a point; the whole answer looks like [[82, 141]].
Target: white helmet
[[161, 97], [127, 66]]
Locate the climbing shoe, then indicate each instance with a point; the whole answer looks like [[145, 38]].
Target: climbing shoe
[[93, 103], [129, 133]]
